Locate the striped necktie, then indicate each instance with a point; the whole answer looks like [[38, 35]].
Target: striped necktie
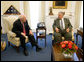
[[61, 24], [24, 31]]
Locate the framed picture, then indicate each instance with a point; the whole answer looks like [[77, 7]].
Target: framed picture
[[60, 4], [12, 10]]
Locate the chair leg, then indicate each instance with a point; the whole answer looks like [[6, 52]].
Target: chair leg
[[45, 41], [8, 43], [17, 49]]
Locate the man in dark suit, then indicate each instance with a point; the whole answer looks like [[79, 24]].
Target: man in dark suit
[[62, 27], [22, 29]]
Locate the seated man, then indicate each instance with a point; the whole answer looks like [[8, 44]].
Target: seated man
[[62, 27], [22, 29]]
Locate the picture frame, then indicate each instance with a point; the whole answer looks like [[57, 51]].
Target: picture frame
[[12, 11], [60, 4]]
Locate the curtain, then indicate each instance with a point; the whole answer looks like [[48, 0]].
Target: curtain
[[34, 7], [81, 16], [26, 11]]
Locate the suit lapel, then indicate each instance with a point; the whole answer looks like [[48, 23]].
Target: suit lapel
[[21, 26], [65, 23], [58, 23]]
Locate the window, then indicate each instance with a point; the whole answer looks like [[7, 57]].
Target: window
[[34, 7]]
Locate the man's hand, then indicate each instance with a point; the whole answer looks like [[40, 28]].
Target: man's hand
[[30, 32], [57, 30], [23, 34], [67, 30]]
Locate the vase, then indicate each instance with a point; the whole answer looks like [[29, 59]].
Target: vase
[[69, 55]]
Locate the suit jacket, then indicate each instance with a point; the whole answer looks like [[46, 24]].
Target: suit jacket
[[18, 27], [66, 22]]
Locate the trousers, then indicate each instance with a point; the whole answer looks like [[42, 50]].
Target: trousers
[[31, 39], [58, 36]]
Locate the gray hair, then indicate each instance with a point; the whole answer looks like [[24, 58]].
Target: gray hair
[[21, 16], [62, 13]]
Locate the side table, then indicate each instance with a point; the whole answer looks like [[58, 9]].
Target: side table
[[41, 36]]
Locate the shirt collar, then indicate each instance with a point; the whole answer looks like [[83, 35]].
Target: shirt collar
[[21, 22], [62, 18]]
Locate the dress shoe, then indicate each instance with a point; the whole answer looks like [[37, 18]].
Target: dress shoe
[[38, 49], [33, 45], [25, 52]]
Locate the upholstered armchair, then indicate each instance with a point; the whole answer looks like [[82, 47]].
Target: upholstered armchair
[[12, 39], [63, 37]]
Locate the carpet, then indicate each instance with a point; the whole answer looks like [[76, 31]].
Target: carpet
[[10, 53]]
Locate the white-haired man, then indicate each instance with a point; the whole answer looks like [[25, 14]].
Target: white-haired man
[[22, 29], [62, 27]]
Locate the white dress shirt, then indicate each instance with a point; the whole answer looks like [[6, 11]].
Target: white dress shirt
[[63, 23]]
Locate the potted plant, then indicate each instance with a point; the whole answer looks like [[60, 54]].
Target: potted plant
[[68, 48]]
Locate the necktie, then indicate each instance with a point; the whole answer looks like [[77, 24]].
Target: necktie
[[61, 24], [24, 31]]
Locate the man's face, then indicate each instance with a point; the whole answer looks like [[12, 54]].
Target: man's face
[[60, 15], [23, 19]]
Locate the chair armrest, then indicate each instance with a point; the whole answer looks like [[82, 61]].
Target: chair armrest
[[72, 35], [26, 40], [12, 34]]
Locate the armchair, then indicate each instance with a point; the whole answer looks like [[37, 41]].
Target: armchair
[[8, 22], [63, 37]]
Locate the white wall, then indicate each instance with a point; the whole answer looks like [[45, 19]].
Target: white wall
[[68, 11], [6, 4]]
